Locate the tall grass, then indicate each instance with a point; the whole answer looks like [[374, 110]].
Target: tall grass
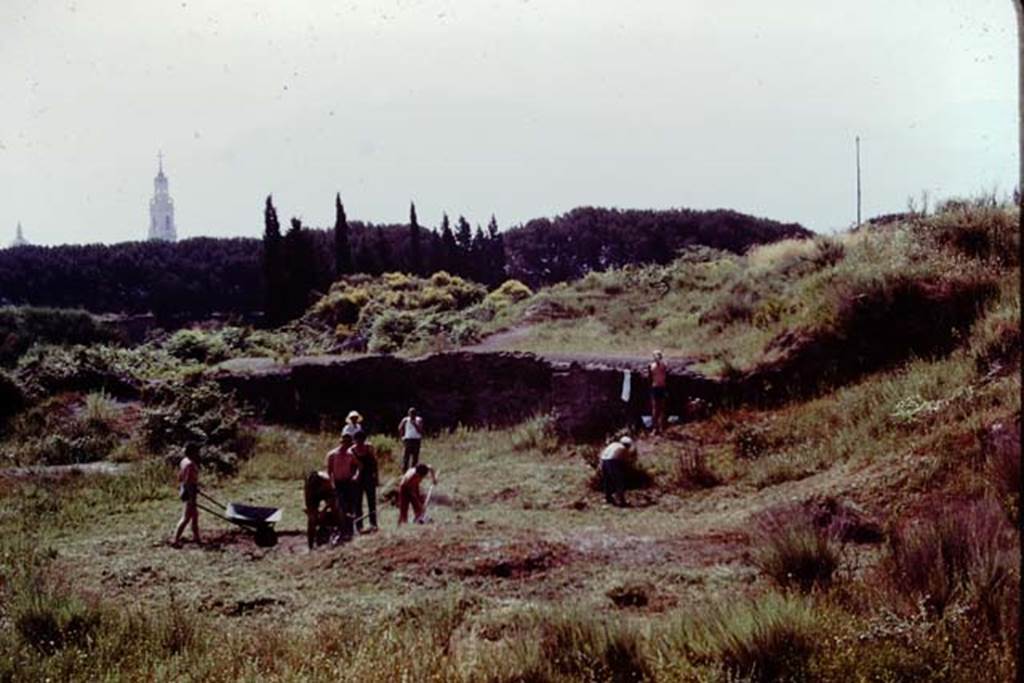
[[963, 554], [794, 552], [770, 638]]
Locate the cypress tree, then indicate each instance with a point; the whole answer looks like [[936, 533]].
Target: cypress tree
[[449, 249], [384, 262], [300, 267], [273, 266], [435, 252], [342, 249], [496, 253], [477, 266], [415, 249], [463, 262]]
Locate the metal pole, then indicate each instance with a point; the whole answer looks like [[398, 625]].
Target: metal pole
[[858, 180], [1018, 6]]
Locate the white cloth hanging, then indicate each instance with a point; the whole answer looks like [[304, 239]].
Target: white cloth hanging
[[627, 385]]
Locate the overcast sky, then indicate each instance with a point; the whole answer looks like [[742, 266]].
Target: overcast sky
[[520, 108]]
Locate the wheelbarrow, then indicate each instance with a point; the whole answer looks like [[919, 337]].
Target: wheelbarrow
[[259, 520]]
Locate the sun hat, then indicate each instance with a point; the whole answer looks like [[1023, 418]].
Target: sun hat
[[353, 415]]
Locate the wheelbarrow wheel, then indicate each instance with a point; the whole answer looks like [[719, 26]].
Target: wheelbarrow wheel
[[266, 537]]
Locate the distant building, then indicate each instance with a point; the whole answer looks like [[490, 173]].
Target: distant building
[[161, 208], [19, 238]]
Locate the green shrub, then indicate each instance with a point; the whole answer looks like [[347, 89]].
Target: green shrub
[[196, 410], [390, 331], [536, 434], [65, 430], [47, 370], [197, 345], [24, 327], [978, 228]]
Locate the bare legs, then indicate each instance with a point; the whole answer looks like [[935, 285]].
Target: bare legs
[[189, 515]]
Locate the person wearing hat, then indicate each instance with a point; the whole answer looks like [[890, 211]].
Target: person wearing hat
[[353, 424], [614, 458]]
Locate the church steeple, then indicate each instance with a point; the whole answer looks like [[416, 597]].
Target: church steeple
[[19, 238], [161, 207]]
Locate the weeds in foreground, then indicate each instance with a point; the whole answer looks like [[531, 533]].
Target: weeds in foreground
[[962, 554], [794, 552], [769, 639]]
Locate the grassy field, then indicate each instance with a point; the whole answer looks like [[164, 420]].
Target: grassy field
[[866, 533], [524, 573]]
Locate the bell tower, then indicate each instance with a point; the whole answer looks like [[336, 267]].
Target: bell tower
[[161, 207]]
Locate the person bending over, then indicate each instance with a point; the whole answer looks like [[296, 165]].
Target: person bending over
[[409, 493], [614, 460]]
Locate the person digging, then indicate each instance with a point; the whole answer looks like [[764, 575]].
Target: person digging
[[409, 493], [615, 458]]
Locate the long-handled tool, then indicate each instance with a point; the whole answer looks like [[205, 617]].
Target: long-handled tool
[[423, 518]]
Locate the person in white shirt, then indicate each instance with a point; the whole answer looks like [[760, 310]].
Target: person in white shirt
[[614, 458], [410, 431]]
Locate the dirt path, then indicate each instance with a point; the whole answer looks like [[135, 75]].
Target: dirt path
[[501, 341]]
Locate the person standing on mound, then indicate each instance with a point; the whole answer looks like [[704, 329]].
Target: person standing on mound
[[658, 373]]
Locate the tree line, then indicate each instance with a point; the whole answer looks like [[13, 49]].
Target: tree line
[[296, 266], [282, 273]]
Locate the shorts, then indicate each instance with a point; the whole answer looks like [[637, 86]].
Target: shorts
[[658, 393], [188, 492]]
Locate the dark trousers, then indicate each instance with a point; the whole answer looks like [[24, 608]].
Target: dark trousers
[[613, 479], [412, 454], [368, 489], [346, 493]]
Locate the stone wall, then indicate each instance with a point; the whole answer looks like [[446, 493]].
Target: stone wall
[[473, 389], [448, 389]]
